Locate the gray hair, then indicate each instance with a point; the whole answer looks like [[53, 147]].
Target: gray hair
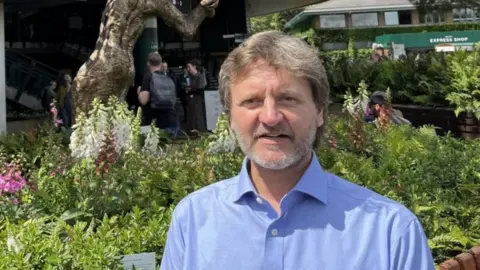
[[282, 51]]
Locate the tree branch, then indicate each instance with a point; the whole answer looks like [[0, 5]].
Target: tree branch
[[185, 24]]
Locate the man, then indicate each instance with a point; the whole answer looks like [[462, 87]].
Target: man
[[283, 211], [164, 67], [159, 94], [195, 106], [377, 103], [48, 95], [182, 81]]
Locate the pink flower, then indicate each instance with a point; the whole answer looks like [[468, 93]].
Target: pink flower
[[58, 122], [12, 182], [333, 142]]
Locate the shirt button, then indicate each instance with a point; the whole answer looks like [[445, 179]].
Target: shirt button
[[274, 232], [259, 200]]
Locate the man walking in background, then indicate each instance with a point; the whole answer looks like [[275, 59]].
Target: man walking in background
[[159, 94]]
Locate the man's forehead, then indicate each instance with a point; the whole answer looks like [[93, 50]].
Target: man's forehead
[[262, 70]]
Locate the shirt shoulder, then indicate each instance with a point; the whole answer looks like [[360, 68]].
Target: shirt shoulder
[[207, 196], [368, 202]]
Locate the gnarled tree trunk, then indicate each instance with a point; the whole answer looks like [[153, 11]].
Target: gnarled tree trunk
[[110, 68]]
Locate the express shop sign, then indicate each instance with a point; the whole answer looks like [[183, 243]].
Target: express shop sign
[[448, 39]]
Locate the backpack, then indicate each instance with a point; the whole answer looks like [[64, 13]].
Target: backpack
[[162, 92]]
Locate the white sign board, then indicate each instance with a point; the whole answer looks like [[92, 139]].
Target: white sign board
[[213, 108], [398, 50], [141, 261]]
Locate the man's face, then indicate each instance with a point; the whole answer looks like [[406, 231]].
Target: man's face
[[376, 108], [191, 69], [67, 78], [273, 116], [164, 67]]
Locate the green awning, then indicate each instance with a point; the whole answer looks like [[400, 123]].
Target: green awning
[[430, 39]]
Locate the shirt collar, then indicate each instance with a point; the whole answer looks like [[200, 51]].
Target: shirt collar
[[314, 182]]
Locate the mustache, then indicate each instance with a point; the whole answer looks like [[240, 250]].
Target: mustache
[[273, 131]]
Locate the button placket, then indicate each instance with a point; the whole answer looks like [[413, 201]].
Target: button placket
[[274, 247]]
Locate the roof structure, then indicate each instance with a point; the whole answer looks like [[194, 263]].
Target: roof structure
[[349, 6], [263, 7], [333, 6]]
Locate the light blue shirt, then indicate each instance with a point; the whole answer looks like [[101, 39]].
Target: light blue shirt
[[326, 223]]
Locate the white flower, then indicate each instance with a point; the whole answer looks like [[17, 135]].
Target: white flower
[[223, 139], [12, 244], [151, 145]]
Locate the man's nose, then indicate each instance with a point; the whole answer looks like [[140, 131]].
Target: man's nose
[[270, 114]]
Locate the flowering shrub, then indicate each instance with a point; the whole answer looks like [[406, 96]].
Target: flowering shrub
[[11, 182], [113, 121], [222, 139]]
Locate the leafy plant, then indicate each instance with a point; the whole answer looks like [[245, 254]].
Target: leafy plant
[[464, 68]]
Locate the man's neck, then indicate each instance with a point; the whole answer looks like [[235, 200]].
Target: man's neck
[[273, 185]]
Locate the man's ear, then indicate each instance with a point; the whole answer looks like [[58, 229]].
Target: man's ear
[[320, 120]]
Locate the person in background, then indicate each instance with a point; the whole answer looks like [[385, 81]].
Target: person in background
[[182, 81], [283, 211], [164, 68], [49, 95], [159, 94], [377, 103], [64, 98], [194, 90]]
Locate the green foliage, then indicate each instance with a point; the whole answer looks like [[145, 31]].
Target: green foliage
[[273, 21], [464, 70], [77, 217], [431, 79]]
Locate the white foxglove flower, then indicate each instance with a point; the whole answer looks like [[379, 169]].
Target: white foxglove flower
[[152, 140], [223, 139], [13, 245]]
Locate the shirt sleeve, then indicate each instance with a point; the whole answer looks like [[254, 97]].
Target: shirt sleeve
[[146, 82], [411, 250], [173, 253]]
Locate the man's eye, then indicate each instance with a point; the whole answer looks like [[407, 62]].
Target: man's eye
[[250, 102], [289, 100]]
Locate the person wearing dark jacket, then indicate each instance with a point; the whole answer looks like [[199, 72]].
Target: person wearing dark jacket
[[196, 83]]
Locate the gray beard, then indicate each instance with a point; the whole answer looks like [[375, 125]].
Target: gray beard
[[299, 152]]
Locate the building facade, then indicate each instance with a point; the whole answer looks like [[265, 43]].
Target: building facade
[[368, 14]]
